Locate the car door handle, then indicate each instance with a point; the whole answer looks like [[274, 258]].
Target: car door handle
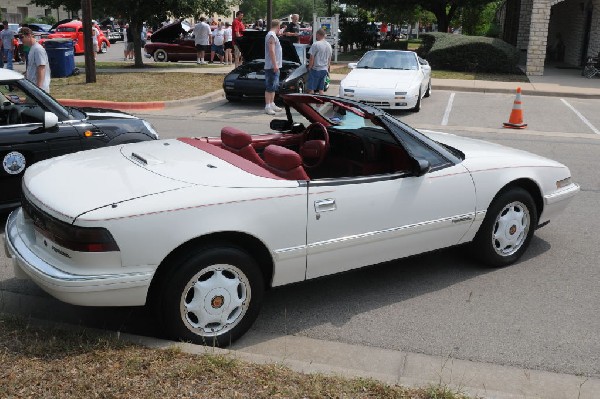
[[325, 205]]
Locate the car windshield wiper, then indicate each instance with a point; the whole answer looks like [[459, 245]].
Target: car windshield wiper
[[363, 67]]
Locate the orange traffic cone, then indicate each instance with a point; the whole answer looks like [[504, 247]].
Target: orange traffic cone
[[516, 115]]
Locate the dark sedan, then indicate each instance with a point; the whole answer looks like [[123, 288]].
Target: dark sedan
[[248, 80], [34, 126]]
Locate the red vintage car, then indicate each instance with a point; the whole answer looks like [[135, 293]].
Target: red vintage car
[[74, 30]]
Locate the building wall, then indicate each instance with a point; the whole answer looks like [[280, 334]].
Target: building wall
[[594, 46], [16, 10], [567, 21]]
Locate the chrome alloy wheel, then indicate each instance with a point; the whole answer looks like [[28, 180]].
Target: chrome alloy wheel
[[511, 228], [215, 300]]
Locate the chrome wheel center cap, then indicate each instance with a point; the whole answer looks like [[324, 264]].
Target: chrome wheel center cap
[[217, 301]]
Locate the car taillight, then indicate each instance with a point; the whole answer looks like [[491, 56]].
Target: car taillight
[[75, 238]]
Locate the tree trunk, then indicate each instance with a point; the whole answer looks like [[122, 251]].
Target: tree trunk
[[136, 26]]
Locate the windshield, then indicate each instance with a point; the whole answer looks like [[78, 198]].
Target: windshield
[[343, 116], [403, 60], [43, 98]]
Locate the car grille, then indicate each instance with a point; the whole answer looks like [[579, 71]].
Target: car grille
[[376, 103]]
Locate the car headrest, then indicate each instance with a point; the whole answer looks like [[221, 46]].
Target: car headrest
[[235, 138], [281, 158]]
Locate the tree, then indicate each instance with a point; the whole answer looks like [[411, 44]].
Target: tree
[[138, 11], [257, 9], [444, 10]]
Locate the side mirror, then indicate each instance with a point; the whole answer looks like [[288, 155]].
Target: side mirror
[[50, 120], [421, 167], [352, 65], [280, 125]]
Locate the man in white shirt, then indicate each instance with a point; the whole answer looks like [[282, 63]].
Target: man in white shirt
[[38, 69], [201, 39], [218, 41]]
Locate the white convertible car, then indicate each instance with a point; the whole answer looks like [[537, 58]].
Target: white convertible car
[[200, 227], [389, 79]]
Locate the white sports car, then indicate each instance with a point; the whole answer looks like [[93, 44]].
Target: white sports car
[[389, 79], [200, 227]]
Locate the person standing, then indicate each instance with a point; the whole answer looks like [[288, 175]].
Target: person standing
[[237, 29], [8, 47], [292, 31], [38, 68], [318, 66], [95, 34], [129, 35], [218, 40], [228, 44], [273, 61], [201, 40]]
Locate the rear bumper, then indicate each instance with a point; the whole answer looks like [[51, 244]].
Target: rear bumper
[[126, 289]]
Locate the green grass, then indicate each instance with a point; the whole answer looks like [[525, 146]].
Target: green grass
[[128, 65], [137, 86], [72, 362]]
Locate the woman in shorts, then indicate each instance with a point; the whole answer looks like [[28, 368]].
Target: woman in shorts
[[228, 44]]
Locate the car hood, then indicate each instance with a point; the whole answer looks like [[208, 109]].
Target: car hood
[[170, 32], [477, 150], [105, 113], [252, 47], [108, 176], [380, 78]]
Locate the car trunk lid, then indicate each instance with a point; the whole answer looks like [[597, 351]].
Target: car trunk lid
[[71, 185]]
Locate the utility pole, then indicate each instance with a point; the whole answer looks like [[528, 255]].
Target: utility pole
[[90, 61]]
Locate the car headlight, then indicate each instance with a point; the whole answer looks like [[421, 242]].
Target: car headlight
[[150, 129]]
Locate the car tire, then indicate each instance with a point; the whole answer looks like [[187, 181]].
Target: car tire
[[103, 48], [160, 55], [507, 228], [417, 107], [112, 41], [212, 296], [428, 92]]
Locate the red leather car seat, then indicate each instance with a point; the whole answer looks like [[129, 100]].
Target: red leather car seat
[[240, 143], [284, 163]]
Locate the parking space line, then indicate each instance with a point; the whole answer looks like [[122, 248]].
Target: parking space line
[[583, 118], [448, 109]]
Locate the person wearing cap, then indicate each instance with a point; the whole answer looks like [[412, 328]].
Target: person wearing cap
[[292, 30], [38, 68]]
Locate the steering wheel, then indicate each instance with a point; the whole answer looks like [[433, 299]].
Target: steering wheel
[[312, 150]]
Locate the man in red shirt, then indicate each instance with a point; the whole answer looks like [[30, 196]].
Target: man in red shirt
[[237, 30]]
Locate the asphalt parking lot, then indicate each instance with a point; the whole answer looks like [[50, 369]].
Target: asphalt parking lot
[[541, 313]]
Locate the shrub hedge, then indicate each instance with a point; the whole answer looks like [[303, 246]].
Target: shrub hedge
[[468, 53]]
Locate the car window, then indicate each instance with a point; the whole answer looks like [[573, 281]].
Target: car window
[[18, 106], [388, 60]]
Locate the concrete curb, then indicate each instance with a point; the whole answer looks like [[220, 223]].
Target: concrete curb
[[149, 105]]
